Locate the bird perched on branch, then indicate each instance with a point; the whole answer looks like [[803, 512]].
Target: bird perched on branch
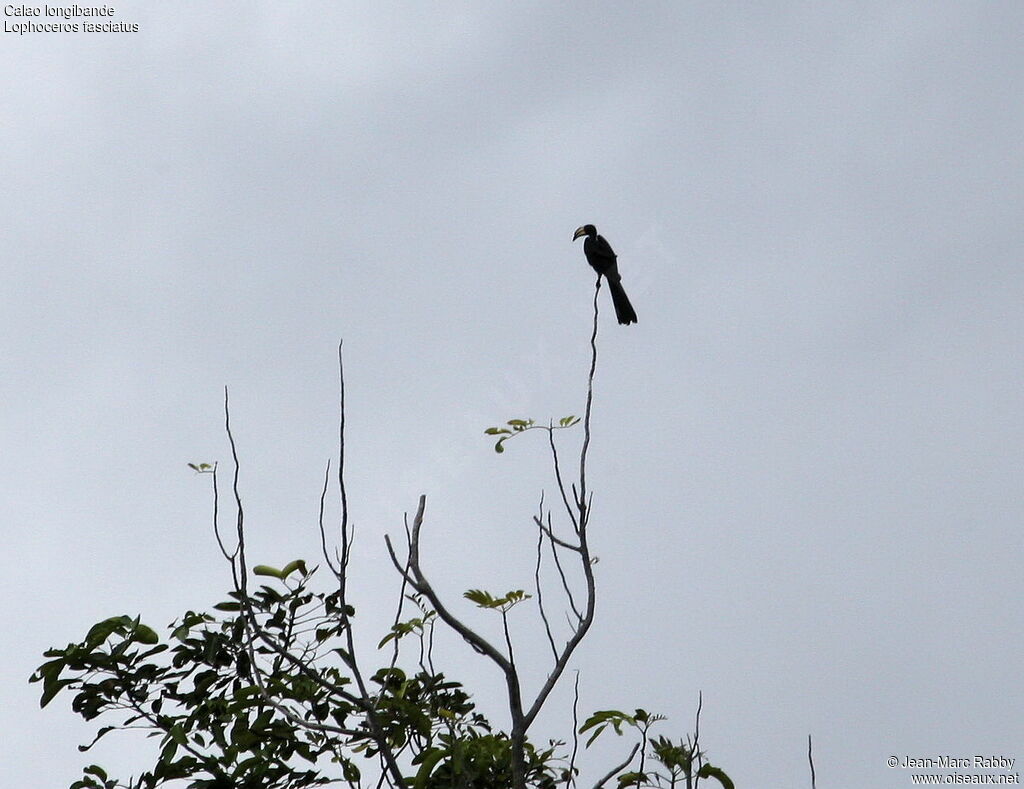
[[603, 260]]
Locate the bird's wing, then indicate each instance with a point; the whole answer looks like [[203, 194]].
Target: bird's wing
[[603, 249], [599, 254], [598, 251]]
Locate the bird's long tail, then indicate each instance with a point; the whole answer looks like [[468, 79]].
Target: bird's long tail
[[623, 309]]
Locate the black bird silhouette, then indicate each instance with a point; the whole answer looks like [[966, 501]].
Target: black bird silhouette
[[603, 260]]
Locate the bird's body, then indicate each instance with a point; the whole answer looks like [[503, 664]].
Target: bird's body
[[604, 261]]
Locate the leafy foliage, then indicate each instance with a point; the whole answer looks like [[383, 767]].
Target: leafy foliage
[[222, 724], [681, 764]]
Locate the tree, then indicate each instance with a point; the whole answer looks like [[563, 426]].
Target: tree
[[268, 691]]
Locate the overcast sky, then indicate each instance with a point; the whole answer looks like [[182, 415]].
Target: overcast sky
[[807, 455]]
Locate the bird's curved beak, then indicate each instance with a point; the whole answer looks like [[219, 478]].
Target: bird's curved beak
[[580, 231]]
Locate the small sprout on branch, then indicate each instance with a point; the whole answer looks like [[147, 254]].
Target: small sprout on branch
[[401, 629], [522, 425], [203, 468], [487, 600], [283, 573]]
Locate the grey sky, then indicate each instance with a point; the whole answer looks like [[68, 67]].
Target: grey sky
[[807, 452]]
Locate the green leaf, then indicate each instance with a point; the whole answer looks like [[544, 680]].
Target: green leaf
[[601, 719], [95, 769], [480, 597], [51, 689], [427, 765], [707, 771], [99, 632], [177, 733], [50, 671], [103, 731], [350, 772], [168, 751], [266, 570], [146, 635], [291, 567]]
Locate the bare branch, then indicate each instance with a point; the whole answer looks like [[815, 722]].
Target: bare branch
[[421, 585], [587, 617], [419, 582]]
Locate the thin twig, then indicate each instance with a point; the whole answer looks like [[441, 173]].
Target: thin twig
[[558, 479], [693, 777], [508, 639], [571, 777], [240, 517], [810, 760], [611, 773], [540, 592], [551, 535], [696, 723], [346, 543], [216, 524], [558, 566], [586, 419], [323, 532]]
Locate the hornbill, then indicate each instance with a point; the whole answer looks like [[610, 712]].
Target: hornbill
[[602, 259]]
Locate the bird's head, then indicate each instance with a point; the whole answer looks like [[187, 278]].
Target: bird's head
[[584, 230]]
